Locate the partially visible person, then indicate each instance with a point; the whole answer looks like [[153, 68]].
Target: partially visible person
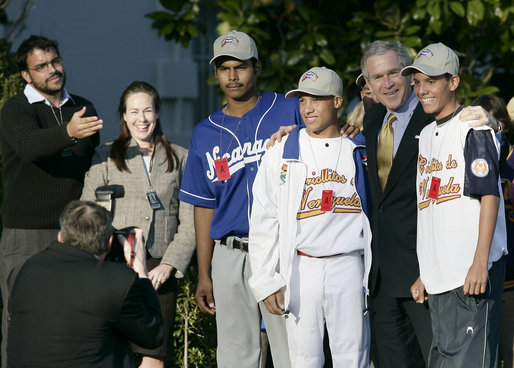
[[497, 108], [368, 99], [224, 157], [510, 108], [309, 234], [356, 116], [68, 308], [461, 236], [150, 169], [367, 95], [47, 138], [401, 330]]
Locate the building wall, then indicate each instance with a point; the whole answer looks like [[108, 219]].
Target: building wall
[[108, 44]]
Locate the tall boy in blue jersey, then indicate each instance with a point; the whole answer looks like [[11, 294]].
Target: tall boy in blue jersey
[[224, 157]]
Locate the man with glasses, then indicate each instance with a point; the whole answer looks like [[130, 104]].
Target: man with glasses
[[47, 139]]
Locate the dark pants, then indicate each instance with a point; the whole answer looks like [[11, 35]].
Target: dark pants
[[16, 246], [167, 295], [401, 331], [467, 327]]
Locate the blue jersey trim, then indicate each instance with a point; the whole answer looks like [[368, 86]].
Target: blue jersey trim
[[243, 143]]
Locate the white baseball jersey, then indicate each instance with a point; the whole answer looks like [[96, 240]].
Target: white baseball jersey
[[329, 167], [456, 166]]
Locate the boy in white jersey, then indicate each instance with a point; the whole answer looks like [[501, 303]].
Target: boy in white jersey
[[461, 225], [309, 233]]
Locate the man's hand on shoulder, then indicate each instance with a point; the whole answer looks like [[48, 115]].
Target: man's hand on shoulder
[[277, 136], [348, 130], [476, 116], [82, 127]]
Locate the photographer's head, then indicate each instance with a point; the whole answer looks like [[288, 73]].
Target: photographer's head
[[87, 226]]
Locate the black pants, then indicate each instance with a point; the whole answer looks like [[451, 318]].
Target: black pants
[[401, 332]]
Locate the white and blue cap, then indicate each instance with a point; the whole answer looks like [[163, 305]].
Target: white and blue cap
[[434, 60], [318, 81], [235, 44]]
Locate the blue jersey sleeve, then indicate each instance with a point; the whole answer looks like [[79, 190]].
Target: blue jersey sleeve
[[297, 115], [194, 188], [482, 165]]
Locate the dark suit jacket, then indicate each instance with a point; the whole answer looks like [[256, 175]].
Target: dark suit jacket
[[67, 309], [394, 213]]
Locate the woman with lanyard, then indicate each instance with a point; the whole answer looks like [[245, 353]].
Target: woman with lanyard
[[150, 169]]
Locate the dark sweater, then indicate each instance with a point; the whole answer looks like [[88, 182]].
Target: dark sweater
[[43, 169]]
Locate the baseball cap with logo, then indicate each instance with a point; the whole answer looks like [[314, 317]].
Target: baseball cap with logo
[[318, 81], [236, 44], [434, 60]]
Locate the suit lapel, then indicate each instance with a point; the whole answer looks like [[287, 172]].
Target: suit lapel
[[408, 147], [375, 118]]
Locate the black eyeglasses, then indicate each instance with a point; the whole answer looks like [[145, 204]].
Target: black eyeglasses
[[41, 68]]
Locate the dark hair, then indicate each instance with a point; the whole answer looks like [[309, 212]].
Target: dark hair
[[497, 108], [31, 43], [86, 225], [120, 144]]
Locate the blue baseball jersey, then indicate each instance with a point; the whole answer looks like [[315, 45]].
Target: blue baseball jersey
[[242, 141]]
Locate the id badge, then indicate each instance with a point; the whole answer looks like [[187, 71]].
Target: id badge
[[222, 170], [434, 188], [153, 199], [326, 200]]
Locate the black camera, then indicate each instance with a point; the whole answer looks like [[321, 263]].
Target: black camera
[[106, 197]]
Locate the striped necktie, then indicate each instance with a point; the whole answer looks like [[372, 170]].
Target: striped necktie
[[385, 151]]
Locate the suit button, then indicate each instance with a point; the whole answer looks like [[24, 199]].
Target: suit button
[[147, 218]]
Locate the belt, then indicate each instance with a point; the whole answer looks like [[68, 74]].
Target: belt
[[237, 243], [300, 253]]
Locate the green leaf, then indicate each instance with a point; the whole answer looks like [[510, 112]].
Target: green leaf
[[327, 57], [487, 90], [412, 30], [192, 30], [413, 41], [319, 39], [167, 29], [159, 15], [434, 9], [419, 13], [294, 58], [173, 5], [253, 19], [436, 25], [385, 34], [475, 12], [458, 8]]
